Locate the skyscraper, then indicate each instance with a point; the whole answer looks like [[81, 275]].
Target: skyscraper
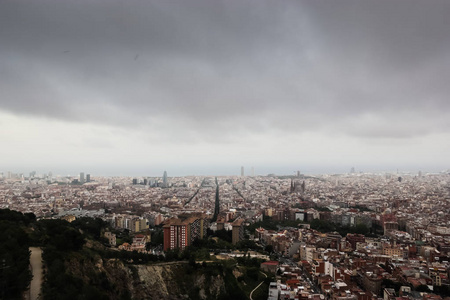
[[242, 171], [165, 179], [88, 177], [82, 177]]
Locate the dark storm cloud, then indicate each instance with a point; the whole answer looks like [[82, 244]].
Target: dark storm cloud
[[364, 68]]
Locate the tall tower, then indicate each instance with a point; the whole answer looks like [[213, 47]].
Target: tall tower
[[165, 179], [242, 171], [82, 177]]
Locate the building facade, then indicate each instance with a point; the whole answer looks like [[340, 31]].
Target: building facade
[[183, 231]]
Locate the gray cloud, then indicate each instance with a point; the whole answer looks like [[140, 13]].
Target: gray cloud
[[193, 69]]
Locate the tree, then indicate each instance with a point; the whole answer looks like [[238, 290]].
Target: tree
[[253, 273], [157, 237], [269, 248], [148, 246], [391, 284], [224, 235], [18, 217], [247, 244], [90, 226], [14, 260], [422, 288], [361, 229], [60, 235]]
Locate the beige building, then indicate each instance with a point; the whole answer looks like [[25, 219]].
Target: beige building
[[111, 238], [238, 231], [139, 225]]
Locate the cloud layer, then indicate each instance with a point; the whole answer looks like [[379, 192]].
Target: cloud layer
[[214, 76]]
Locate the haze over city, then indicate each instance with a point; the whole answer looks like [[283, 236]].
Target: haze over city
[[205, 87]]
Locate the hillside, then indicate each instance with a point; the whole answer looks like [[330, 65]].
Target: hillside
[[78, 265], [171, 280]]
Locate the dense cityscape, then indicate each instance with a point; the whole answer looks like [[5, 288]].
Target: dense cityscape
[[354, 236], [224, 150]]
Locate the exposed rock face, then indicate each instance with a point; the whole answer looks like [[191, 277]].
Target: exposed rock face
[[173, 280]]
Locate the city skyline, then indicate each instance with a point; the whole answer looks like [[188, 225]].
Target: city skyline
[[203, 88], [154, 174]]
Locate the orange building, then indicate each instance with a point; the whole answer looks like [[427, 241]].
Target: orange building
[[176, 234], [181, 232]]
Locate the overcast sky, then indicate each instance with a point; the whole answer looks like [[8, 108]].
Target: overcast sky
[[128, 87]]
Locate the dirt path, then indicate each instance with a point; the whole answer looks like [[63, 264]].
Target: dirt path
[[36, 269], [251, 294]]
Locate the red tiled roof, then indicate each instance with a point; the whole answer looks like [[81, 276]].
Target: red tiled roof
[[271, 263]]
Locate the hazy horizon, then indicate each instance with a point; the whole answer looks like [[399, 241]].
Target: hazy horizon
[[180, 172]]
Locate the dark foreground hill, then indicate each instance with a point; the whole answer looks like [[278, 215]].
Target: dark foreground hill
[[78, 265]]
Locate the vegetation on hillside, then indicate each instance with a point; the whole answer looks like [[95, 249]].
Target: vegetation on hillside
[[269, 223], [79, 264], [15, 274]]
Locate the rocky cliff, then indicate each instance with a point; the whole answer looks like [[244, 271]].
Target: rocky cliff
[[172, 280]]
